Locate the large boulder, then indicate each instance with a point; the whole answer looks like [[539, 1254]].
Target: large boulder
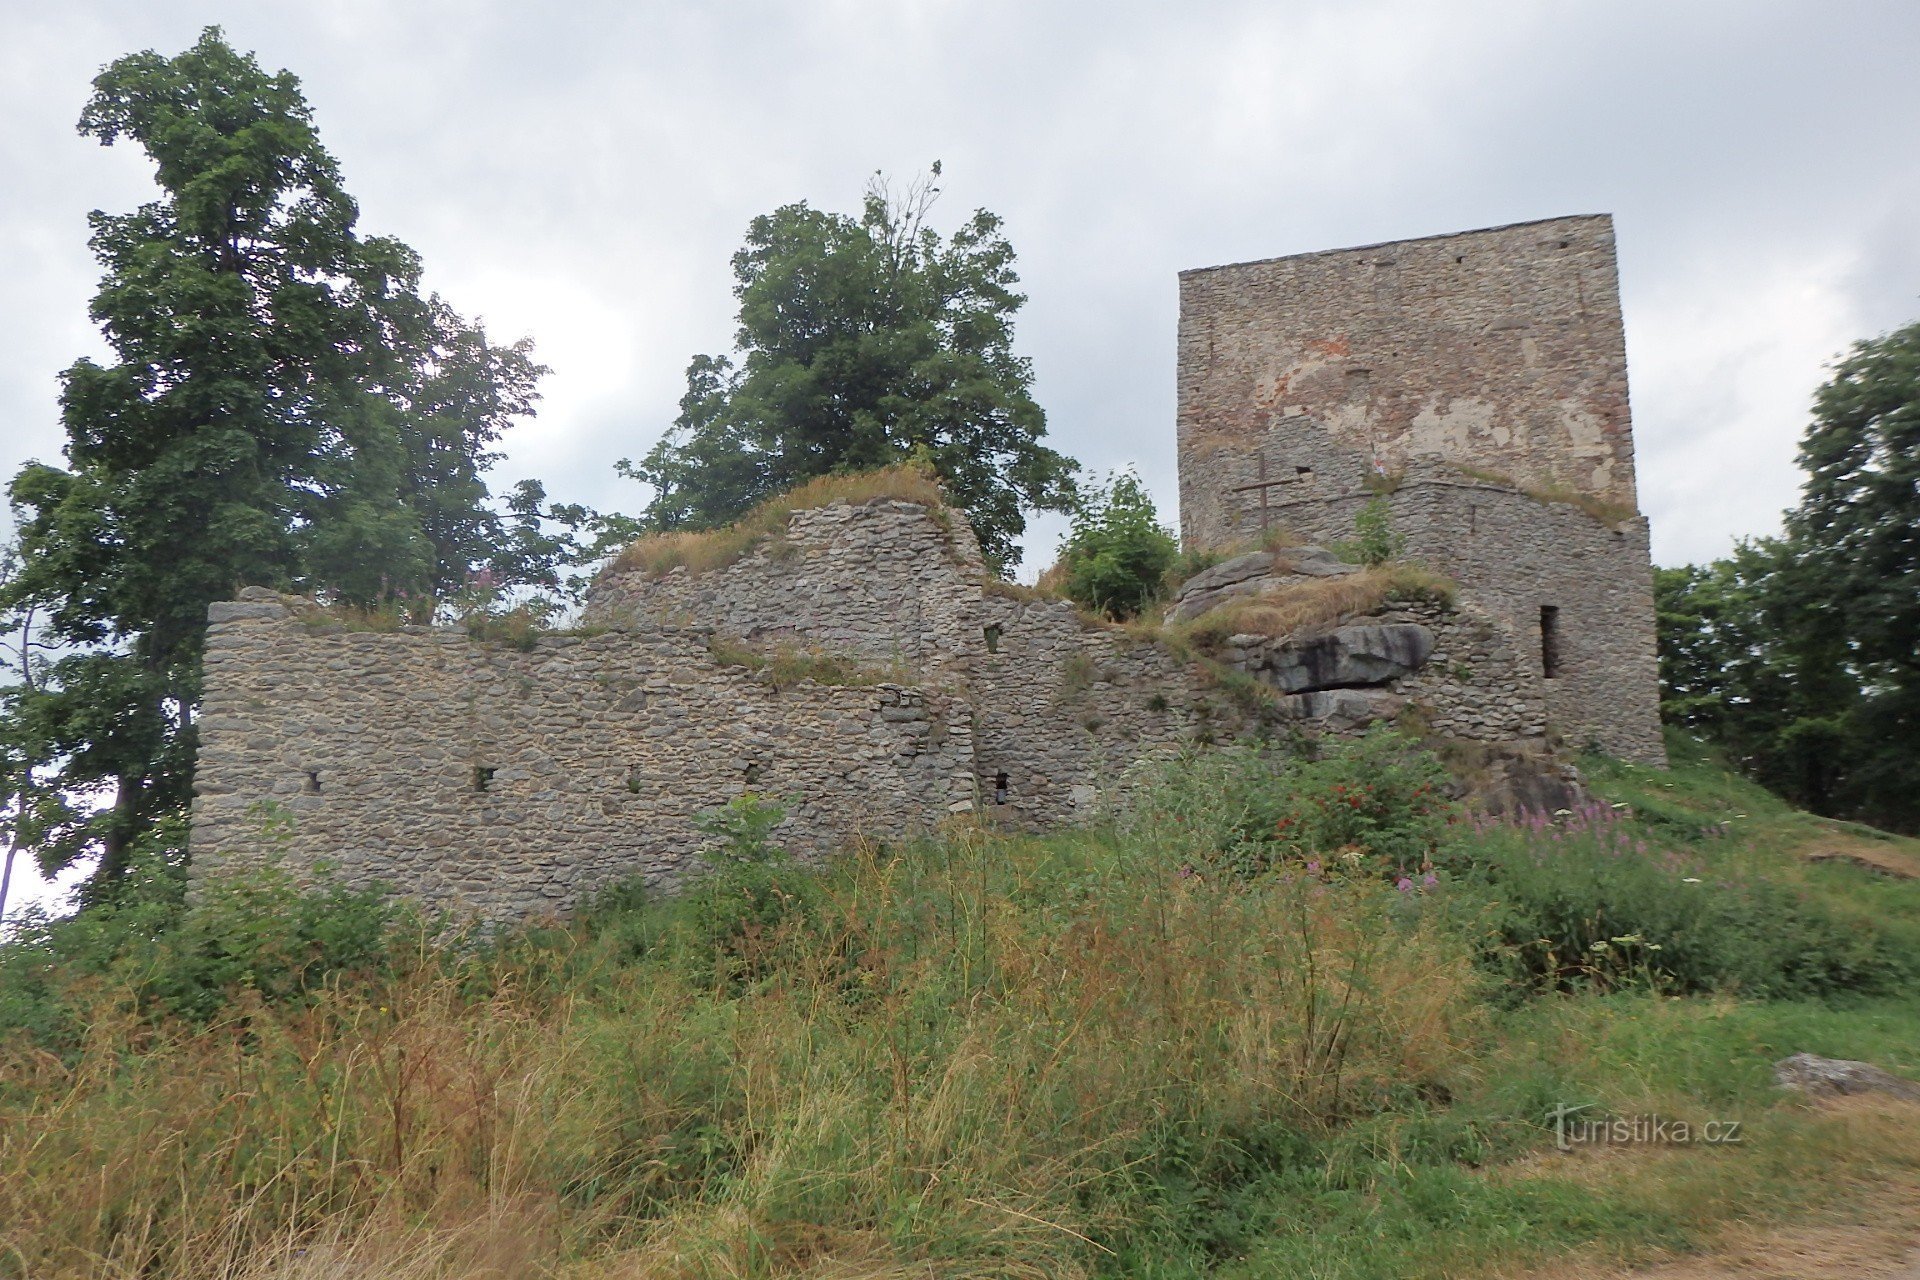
[[1253, 574], [1347, 657], [1342, 710], [1837, 1077]]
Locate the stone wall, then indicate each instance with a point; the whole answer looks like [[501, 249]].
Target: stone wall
[[1485, 375], [887, 581], [489, 780], [1516, 556], [508, 782], [1061, 707], [1500, 349]]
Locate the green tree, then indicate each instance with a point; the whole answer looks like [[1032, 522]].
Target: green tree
[[1801, 654], [1747, 660], [282, 407], [863, 342], [1858, 530], [1117, 554]]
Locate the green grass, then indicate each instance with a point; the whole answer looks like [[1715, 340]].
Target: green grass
[[1194, 1043]]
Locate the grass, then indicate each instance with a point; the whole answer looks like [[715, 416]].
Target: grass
[[981, 1055], [785, 665], [1310, 605], [1599, 508], [705, 550]]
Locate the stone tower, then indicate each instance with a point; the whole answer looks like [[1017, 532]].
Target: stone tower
[[1479, 382]]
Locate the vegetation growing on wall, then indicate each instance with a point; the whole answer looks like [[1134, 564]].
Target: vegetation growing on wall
[[706, 550], [1307, 605], [1117, 555]]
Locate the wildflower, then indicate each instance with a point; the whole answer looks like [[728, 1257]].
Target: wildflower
[[1313, 866], [1599, 946], [1429, 881], [1403, 884], [1690, 880]]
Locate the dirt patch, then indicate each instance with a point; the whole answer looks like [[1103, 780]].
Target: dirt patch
[[1869, 855]]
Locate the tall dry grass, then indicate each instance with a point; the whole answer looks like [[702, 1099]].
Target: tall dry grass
[[704, 550], [1310, 605], [969, 1059]]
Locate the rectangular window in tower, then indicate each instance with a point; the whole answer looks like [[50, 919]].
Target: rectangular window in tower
[[1549, 640]]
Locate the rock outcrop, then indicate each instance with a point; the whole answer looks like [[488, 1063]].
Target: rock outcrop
[[1253, 574], [1837, 1077]]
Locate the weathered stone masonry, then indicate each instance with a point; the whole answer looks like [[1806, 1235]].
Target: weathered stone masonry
[[1484, 375], [1477, 380], [499, 782], [502, 782]]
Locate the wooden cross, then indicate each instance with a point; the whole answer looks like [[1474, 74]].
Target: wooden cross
[[1263, 485]]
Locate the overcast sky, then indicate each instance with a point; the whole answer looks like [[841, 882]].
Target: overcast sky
[[581, 172]]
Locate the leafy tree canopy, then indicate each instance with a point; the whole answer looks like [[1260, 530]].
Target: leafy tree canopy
[[283, 406], [863, 342], [1801, 654]]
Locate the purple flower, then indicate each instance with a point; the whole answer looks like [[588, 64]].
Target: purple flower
[[1313, 866], [1429, 880], [1403, 884]]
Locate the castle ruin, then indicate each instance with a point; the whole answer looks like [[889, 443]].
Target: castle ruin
[[863, 669], [1478, 384]]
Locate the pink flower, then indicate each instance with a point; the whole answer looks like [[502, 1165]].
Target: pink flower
[[1403, 884], [1313, 866], [1429, 880]]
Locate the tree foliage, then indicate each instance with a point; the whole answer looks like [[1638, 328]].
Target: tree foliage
[[1117, 554], [863, 342], [282, 406], [1801, 654]]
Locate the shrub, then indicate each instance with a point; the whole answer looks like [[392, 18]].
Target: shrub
[[254, 932], [1117, 556], [1375, 542], [1382, 797], [1378, 803], [1587, 898]]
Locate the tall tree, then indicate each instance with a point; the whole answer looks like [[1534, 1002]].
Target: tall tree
[[1802, 654], [283, 407], [862, 342]]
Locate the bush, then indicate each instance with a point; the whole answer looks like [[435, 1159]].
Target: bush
[[1375, 542], [253, 932], [1379, 803], [1117, 556], [736, 918], [1589, 900]]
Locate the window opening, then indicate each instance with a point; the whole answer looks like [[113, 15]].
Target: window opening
[[993, 632], [1549, 640], [1000, 787], [483, 777], [313, 781]]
